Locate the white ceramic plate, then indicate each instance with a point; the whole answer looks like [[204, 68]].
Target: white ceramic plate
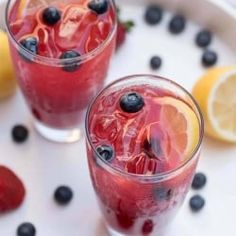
[[43, 165]]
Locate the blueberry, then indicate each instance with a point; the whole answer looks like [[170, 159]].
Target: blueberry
[[199, 181], [155, 62], [26, 229], [70, 66], [209, 58], [147, 227], [63, 195], [203, 38], [20, 133], [30, 44], [51, 15], [98, 6], [163, 194], [131, 102], [177, 24], [153, 15], [196, 203], [106, 152]]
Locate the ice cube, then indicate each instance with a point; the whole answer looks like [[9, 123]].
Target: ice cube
[[106, 127]]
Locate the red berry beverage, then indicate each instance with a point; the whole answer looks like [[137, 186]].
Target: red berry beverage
[[143, 142], [61, 51]]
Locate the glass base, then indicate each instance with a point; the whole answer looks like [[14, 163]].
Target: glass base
[[58, 135], [112, 232]]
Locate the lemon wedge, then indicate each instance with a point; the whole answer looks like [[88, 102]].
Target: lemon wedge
[[215, 92]]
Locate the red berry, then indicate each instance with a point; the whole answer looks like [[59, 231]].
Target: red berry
[[125, 221], [122, 29], [12, 190], [121, 35], [147, 227]]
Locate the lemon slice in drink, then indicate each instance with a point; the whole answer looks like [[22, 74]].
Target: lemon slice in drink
[[215, 93], [25, 6], [181, 124]]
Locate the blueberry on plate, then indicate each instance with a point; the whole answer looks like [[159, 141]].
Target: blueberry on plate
[[203, 38], [131, 102], [63, 195], [98, 6], [147, 227], [177, 24], [155, 62], [199, 181], [209, 58], [70, 66], [153, 15], [20, 133], [51, 16], [31, 45], [26, 229], [106, 152], [196, 203], [163, 194]]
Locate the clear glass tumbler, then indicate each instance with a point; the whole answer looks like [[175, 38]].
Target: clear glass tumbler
[[61, 58], [139, 189]]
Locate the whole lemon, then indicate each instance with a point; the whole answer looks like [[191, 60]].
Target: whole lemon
[[7, 75]]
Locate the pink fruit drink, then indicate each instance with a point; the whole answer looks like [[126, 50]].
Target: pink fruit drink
[[139, 177], [61, 52]]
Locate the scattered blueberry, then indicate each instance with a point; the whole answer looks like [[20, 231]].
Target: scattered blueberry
[[63, 195], [98, 6], [70, 66], [106, 152], [147, 227], [196, 203], [131, 102], [199, 181], [51, 15], [163, 194], [177, 24], [20, 133], [155, 62], [153, 15], [203, 38], [26, 229], [30, 44], [209, 58]]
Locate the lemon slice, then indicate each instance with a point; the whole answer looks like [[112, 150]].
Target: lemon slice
[[25, 6], [181, 123], [215, 93]]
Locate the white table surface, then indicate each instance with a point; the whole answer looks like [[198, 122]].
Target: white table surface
[[43, 165]]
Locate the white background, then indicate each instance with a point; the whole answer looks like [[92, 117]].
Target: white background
[[43, 165]]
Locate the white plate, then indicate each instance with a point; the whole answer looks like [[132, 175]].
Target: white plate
[[43, 165]]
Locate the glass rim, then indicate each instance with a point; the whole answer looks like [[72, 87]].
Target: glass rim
[[57, 61], [163, 175]]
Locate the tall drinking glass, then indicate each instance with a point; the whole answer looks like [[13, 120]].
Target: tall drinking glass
[[61, 51], [144, 136]]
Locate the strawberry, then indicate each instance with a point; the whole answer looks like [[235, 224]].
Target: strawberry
[[12, 190], [122, 29]]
